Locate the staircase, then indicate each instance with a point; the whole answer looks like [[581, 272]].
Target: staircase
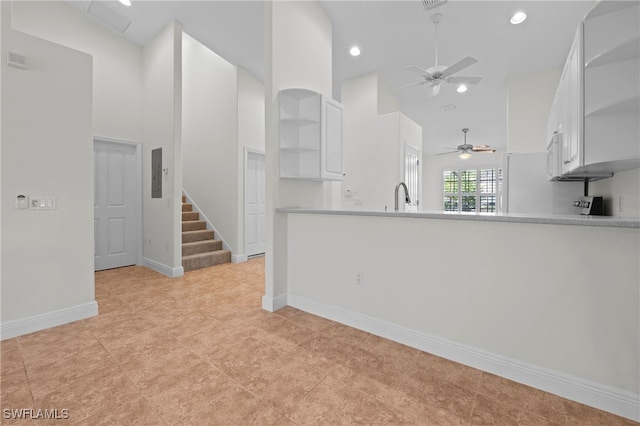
[[200, 249]]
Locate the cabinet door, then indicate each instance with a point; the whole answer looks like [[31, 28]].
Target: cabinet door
[[331, 167], [573, 109]]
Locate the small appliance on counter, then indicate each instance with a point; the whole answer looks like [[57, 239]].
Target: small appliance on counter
[[589, 205]]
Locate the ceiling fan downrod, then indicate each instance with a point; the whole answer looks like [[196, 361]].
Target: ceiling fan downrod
[[436, 18]]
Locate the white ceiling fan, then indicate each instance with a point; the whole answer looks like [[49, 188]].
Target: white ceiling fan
[[466, 149], [440, 73]]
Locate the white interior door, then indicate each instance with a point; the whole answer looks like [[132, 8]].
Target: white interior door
[[115, 204], [255, 203], [412, 176]]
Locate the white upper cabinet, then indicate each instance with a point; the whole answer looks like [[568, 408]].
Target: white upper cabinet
[[310, 131], [597, 106], [612, 86]]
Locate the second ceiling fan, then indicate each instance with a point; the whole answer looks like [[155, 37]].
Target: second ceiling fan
[[440, 73]]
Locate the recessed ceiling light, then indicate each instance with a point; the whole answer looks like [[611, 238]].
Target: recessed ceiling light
[[518, 18], [461, 89], [125, 2], [355, 51]]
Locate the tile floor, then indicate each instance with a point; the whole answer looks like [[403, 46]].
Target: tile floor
[[198, 350]]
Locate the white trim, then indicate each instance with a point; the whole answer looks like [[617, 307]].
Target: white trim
[[138, 213], [162, 268], [210, 226], [239, 258], [272, 304], [603, 397], [247, 151], [50, 319]]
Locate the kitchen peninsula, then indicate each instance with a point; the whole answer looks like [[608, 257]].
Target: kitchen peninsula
[[552, 302]]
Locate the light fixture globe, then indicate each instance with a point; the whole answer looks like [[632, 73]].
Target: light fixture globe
[[518, 18]]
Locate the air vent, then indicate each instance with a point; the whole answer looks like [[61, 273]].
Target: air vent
[[449, 107], [430, 4], [108, 16]]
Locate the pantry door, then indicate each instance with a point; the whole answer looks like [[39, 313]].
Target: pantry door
[[116, 204], [255, 203]]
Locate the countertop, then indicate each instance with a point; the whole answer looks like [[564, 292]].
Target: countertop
[[580, 220]]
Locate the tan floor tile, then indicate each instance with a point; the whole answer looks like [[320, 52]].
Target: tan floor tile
[[185, 324], [283, 334], [521, 396], [182, 395], [215, 339], [287, 311], [332, 402], [145, 344], [581, 415], [102, 390], [55, 344], [122, 331], [245, 358], [200, 350], [487, 411], [286, 383], [14, 391], [136, 411], [233, 407], [75, 366], [146, 370], [10, 356], [311, 321], [323, 352]]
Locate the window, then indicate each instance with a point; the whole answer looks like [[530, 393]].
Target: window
[[470, 190]]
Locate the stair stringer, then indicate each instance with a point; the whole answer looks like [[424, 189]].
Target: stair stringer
[[210, 226]]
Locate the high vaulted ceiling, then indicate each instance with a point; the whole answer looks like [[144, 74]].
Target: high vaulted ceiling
[[392, 35]]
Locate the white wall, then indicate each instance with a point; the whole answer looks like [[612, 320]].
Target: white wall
[[621, 193], [251, 135], [546, 309], [210, 137], [47, 257], [297, 54], [373, 143], [434, 165], [529, 101], [387, 99], [117, 63], [162, 76]]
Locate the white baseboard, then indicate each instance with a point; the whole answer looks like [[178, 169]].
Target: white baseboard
[[272, 304], [162, 268], [620, 402], [50, 319], [239, 258]]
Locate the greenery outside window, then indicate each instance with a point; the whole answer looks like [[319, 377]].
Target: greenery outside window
[[470, 190]]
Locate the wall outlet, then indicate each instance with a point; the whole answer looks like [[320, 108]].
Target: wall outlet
[[359, 278]]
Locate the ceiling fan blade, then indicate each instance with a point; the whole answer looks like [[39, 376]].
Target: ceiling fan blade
[[464, 80], [417, 70], [484, 150], [417, 83], [460, 65], [445, 153]]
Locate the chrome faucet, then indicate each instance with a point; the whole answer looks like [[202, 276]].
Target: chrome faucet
[[406, 194]]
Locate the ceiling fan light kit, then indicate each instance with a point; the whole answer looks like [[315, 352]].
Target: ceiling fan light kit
[[466, 149]]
